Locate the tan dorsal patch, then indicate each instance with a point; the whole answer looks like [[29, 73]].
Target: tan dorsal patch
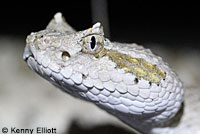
[[137, 66]]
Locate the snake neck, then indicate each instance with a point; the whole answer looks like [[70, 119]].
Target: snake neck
[[169, 125]]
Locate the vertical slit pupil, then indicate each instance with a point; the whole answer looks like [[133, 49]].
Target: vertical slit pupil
[[92, 42]]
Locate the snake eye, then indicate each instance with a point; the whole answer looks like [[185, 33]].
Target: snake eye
[[92, 42]]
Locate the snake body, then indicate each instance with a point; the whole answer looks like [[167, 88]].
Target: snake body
[[126, 80]]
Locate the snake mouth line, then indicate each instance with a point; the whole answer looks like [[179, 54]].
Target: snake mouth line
[[29, 57]]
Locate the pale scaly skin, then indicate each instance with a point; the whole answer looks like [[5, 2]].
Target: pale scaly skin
[[65, 58]]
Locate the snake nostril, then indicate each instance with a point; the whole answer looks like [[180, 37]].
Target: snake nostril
[[65, 55]]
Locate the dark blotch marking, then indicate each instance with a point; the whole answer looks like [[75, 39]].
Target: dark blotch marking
[[84, 76], [150, 83], [136, 80]]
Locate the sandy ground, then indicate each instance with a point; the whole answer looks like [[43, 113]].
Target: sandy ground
[[28, 101]]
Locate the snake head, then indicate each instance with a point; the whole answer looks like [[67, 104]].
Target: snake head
[[59, 47], [126, 80], [60, 38], [56, 39]]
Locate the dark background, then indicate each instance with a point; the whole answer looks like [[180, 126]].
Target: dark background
[[166, 23]]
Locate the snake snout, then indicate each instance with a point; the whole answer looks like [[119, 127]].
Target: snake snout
[[27, 53]]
